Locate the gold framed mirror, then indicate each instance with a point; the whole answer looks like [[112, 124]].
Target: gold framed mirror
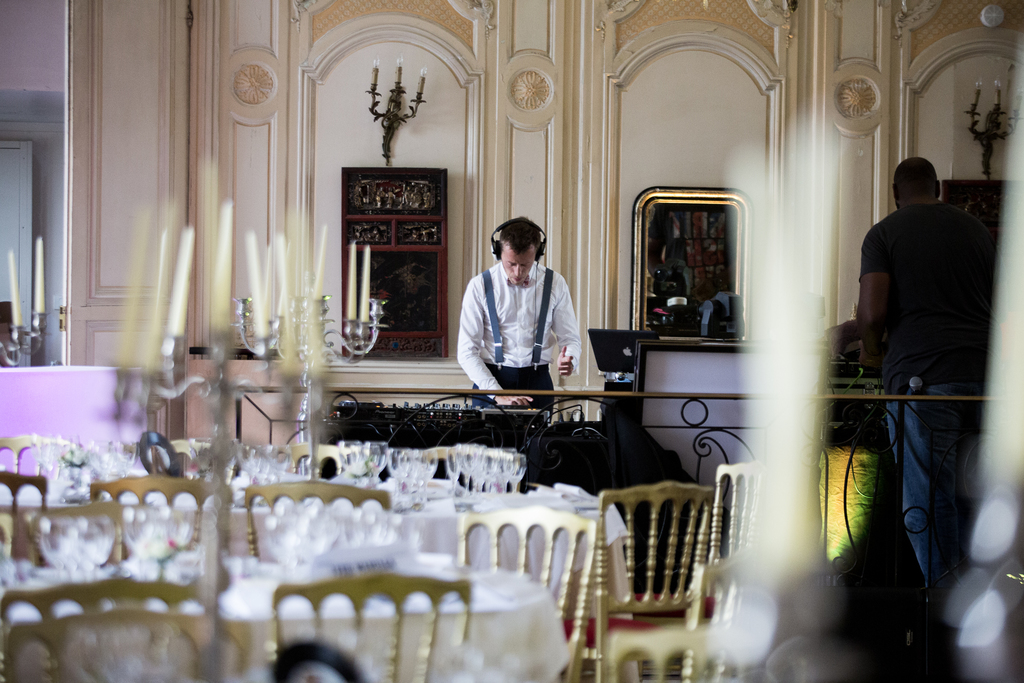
[[689, 244]]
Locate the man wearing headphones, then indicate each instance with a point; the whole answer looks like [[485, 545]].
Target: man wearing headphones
[[512, 316]]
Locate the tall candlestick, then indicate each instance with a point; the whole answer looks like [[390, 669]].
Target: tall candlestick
[[12, 270], [176, 314], [321, 261], [376, 68], [350, 299], [398, 70], [220, 306], [998, 92], [423, 79], [40, 299], [977, 94], [364, 307]]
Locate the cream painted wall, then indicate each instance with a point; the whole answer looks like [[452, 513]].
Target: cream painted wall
[[673, 135], [347, 136]]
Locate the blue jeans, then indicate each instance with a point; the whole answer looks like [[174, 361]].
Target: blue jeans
[[937, 436]]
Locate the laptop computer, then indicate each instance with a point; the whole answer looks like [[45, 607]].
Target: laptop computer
[[614, 350]]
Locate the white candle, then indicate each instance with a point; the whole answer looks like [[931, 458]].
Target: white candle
[[129, 352], [398, 70], [156, 323], [259, 313], [318, 286], [40, 299], [423, 79], [176, 314], [12, 269], [269, 271], [364, 308], [350, 300], [283, 278], [220, 306]]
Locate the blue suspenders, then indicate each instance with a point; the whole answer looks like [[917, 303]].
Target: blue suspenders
[[492, 312]]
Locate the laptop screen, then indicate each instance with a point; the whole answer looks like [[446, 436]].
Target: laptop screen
[[615, 350]]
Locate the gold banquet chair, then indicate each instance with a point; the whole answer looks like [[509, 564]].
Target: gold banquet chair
[[87, 646], [397, 587], [109, 509], [169, 487], [666, 546], [299, 491], [580, 534], [16, 482], [684, 643], [7, 529], [662, 647], [90, 597], [300, 451], [17, 444], [743, 482]]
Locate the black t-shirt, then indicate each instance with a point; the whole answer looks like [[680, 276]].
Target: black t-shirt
[[941, 265]]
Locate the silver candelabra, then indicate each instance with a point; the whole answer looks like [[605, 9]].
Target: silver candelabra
[[25, 340], [355, 339]]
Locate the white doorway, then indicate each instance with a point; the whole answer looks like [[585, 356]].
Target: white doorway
[[16, 222]]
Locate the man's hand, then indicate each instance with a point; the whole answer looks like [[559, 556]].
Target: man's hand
[[513, 400], [564, 363], [870, 360]]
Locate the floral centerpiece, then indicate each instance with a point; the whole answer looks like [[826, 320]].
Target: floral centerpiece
[[73, 462]]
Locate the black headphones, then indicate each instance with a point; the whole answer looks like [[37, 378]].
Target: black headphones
[[496, 243]]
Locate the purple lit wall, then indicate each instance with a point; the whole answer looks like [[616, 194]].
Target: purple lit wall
[[75, 402]]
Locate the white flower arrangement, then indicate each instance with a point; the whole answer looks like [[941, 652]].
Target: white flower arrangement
[[360, 469], [74, 456], [156, 548]]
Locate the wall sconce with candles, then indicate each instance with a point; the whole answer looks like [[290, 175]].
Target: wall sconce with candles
[[392, 117], [25, 339], [993, 125]]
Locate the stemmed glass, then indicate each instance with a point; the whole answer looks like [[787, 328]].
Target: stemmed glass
[[155, 534], [426, 467], [401, 465], [376, 453], [97, 538], [519, 471], [57, 541], [491, 466], [453, 467]]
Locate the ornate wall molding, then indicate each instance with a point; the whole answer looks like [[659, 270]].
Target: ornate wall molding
[[857, 98], [531, 90], [736, 14], [254, 83], [438, 11], [912, 16]]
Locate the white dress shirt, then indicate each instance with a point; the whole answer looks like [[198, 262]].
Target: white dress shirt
[[518, 307]]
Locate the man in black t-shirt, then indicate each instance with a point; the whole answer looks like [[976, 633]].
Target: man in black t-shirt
[[927, 273]]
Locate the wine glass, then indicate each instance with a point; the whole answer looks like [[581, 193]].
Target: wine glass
[[376, 453], [520, 470], [453, 467], [97, 541]]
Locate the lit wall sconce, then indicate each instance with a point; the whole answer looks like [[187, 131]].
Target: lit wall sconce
[[993, 125], [391, 118]]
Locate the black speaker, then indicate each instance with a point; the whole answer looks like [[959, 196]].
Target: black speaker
[[496, 243]]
